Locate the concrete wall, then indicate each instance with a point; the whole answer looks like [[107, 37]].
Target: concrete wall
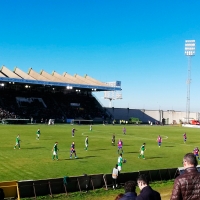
[[150, 115]]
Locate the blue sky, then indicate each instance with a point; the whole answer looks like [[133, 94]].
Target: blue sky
[[140, 43]]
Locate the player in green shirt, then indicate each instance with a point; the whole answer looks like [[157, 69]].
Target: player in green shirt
[[142, 149], [120, 161], [86, 143], [38, 134], [17, 142], [55, 151]]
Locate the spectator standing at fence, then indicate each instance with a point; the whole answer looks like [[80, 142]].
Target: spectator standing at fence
[[31, 120], [187, 185], [130, 193], [55, 151], [73, 132], [159, 140], [86, 143], [115, 173], [17, 142], [146, 192], [38, 134], [90, 127], [142, 149]]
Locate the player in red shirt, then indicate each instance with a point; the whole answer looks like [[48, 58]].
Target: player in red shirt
[[159, 140], [184, 137], [120, 145], [196, 152]]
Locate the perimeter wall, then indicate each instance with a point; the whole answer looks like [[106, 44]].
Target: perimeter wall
[[66, 185]]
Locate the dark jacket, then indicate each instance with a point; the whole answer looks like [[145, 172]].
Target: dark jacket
[[187, 185], [129, 196], [147, 193]]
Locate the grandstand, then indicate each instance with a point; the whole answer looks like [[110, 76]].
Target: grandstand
[[43, 96]]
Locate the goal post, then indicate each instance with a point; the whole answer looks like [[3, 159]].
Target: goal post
[[81, 122]]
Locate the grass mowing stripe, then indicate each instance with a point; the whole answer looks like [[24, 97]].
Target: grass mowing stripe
[[34, 160]]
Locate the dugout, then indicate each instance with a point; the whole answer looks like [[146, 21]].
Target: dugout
[[10, 189]]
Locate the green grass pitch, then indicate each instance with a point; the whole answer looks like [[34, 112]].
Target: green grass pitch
[[34, 160]]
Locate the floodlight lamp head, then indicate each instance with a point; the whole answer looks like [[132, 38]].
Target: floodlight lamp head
[[189, 47]]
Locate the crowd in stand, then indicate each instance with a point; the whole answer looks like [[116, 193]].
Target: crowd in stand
[[4, 114], [57, 105]]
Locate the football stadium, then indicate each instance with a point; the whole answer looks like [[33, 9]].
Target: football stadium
[[99, 100], [46, 118]]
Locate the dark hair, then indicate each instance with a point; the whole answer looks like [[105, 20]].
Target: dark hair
[[191, 159], [119, 196], [130, 186], [143, 178]]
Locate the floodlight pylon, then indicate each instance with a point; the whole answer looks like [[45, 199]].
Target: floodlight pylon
[[189, 52]]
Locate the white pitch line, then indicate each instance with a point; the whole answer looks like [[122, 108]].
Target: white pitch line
[[133, 136]]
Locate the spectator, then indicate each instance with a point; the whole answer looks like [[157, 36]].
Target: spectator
[[187, 185], [146, 192], [115, 174], [119, 196], [130, 193]]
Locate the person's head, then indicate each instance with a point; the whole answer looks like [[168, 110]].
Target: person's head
[[116, 166], [130, 186], [119, 196], [56, 142], [144, 144], [189, 160], [72, 142], [120, 154], [142, 181]]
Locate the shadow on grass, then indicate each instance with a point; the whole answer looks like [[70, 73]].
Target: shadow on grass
[[169, 146], [90, 156], [86, 157], [154, 157], [34, 148], [99, 150], [132, 152]]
